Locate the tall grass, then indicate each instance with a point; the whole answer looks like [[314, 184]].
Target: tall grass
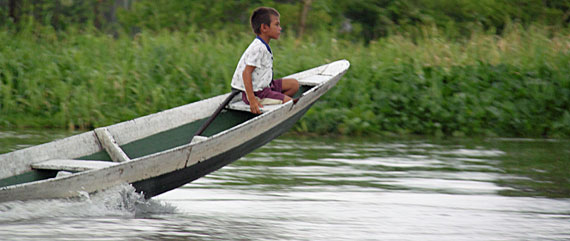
[[516, 84], [89, 80]]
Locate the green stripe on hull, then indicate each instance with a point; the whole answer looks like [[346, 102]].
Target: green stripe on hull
[[35, 175], [155, 143], [163, 183], [181, 135]]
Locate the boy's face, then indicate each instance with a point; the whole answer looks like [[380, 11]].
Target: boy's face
[[274, 30]]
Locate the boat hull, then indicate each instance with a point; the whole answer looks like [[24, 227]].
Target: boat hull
[[155, 152], [163, 183]]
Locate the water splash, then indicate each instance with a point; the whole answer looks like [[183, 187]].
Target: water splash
[[118, 201]]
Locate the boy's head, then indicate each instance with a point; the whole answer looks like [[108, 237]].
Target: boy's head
[[262, 15]]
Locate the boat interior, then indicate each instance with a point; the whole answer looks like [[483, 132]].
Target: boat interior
[[108, 146], [234, 114]]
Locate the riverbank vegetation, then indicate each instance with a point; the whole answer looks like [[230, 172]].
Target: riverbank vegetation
[[426, 76]]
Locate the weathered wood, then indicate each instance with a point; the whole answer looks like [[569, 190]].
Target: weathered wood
[[197, 139], [111, 146], [160, 164], [215, 114], [313, 80], [145, 126], [72, 165], [18, 162], [242, 106]]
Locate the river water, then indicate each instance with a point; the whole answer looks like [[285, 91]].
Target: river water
[[299, 188]]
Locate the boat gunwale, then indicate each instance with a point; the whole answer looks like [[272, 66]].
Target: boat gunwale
[[281, 113], [182, 148]]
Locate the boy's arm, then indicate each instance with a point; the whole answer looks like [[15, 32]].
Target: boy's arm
[[254, 105]]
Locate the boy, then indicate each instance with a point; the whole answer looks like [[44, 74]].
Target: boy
[[254, 72]]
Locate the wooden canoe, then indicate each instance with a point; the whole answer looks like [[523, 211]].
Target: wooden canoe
[[154, 153]]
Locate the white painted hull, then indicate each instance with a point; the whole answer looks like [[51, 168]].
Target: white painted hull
[[174, 160]]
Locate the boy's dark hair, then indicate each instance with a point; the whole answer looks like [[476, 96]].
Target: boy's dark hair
[[260, 16]]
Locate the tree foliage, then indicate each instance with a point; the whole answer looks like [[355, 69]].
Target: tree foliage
[[368, 19]]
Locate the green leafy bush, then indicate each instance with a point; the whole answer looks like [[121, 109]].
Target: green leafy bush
[[514, 84]]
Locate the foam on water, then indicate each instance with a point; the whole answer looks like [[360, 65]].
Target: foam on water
[[119, 201]]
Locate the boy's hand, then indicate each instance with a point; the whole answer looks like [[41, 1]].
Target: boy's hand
[[255, 106]]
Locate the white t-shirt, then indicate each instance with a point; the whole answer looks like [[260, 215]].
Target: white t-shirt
[[257, 54]]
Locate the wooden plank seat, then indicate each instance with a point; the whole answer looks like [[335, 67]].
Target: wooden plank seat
[[242, 106], [313, 80], [72, 165]]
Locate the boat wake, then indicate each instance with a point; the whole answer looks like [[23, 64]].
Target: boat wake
[[118, 201]]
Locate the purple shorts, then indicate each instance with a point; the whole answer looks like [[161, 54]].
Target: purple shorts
[[272, 92]]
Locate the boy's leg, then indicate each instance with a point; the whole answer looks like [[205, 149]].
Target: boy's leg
[[273, 92], [281, 89], [286, 98], [277, 95], [289, 87], [285, 87]]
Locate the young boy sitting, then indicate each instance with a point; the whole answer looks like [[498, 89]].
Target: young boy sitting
[[254, 72]]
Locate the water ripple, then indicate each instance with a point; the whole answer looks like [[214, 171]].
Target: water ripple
[[334, 189]]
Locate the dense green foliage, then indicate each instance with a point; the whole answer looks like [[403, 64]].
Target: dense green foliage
[[368, 19], [88, 80], [435, 67], [514, 85]]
